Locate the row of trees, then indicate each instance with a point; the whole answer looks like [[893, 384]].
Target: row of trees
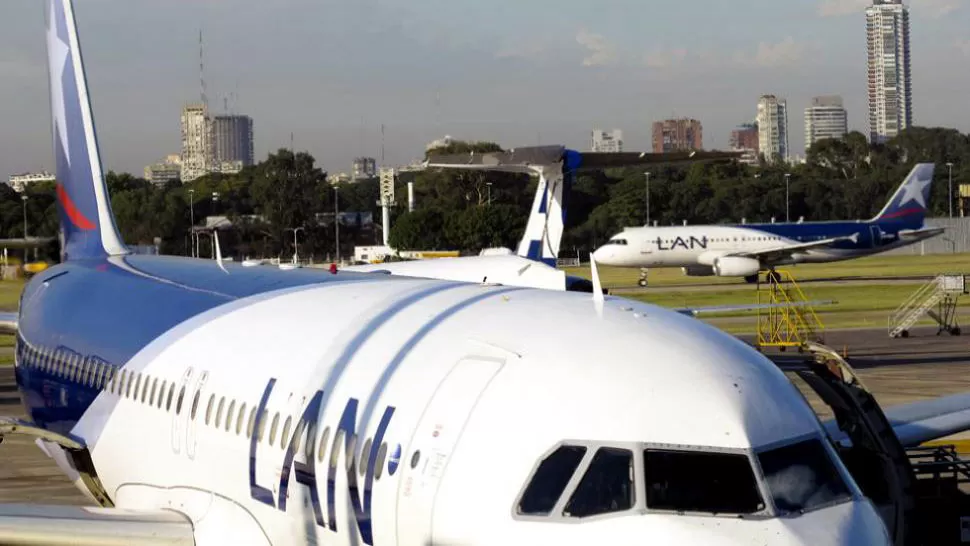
[[847, 178]]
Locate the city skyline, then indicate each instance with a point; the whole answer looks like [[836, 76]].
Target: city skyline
[[616, 64]]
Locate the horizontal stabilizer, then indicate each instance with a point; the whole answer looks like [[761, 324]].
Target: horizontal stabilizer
[[83, 526], [920, 234], [930, 419]]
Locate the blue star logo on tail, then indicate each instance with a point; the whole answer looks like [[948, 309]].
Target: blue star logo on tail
[[915, 191]]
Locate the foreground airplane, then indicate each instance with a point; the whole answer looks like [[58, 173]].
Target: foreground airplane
[[200, 402], [745, 250]]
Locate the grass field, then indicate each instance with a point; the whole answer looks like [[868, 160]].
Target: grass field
[[9, 297], [875, 267]]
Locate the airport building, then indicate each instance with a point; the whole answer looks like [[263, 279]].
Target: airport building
[[890, 81], [744, 139], [364, 168], [773, 128], [196, 157], [19, 182], [825, 118], [232, 141], [165, 171], [606, 141], [674, 135]]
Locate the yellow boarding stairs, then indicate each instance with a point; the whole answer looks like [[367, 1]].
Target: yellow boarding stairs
[[936, 299], [787, 318]]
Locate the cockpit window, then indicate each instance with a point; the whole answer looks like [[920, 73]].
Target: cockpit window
[[618, 242], [802, 476], [607, 485], [688, 481], [550, 479]]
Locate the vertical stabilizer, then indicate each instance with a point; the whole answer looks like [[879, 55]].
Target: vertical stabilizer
[[909, 205], [543, 233], [87, 224]]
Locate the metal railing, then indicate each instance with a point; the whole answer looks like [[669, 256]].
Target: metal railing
[[942, 292]]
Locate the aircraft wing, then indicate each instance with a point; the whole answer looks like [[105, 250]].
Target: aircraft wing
[[694, 311], [780, 253], [63, 525], [8, 323]]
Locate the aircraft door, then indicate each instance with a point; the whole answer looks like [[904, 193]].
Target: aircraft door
[[174, 404], [434, 439], [194, 400]]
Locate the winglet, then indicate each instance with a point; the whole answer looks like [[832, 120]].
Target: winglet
[[87, 223], [215, 238], [597, 286]]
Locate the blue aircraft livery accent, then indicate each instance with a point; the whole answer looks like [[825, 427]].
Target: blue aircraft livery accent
[[394, 460], [78, 164]]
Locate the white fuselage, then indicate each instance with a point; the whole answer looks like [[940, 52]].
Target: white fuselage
[[481, 384]]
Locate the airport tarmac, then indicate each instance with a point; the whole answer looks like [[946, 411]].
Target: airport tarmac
[[896, 370]]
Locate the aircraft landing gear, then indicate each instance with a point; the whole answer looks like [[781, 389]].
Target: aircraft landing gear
[[643, 278], [751, 279], [773, 276]]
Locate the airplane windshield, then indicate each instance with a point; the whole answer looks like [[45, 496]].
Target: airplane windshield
[[802, 477], [689, 481]]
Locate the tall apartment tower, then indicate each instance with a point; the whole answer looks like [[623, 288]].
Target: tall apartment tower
[[232, 141], [890, 78], [196, 156], [773, 128], [607, 141], [674, 135], [825, 118]]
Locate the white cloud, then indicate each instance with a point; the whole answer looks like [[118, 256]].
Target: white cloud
[[665, 58], [599, 52], [838, 8], [785, 53]]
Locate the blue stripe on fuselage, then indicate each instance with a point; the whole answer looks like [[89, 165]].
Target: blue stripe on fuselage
[[814, 231], [108, 312]]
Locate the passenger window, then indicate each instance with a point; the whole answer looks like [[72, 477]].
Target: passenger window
[[286, 432], [381, 457], [178, 403], [222, 403], [171, 394], [134, 394], [364, 457], [241, 419], [323, 444], [208, 409], [144, 390], [272, 429], [549, 480], [606, 487], [195, 404], [161, 394], [689, 481], [352, 449], [229, 413], [802, 477], [151, 399], [311, 440], [338, 439], [252, 423], [261, 429]]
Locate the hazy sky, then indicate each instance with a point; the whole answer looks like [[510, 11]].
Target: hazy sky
[[513, 71]]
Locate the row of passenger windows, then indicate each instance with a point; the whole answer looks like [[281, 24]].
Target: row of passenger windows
[[798, 477], [229, 415]]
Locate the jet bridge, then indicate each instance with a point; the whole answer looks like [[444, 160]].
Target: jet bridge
[[919, 491]]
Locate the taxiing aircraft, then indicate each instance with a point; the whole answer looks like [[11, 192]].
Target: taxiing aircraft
[[208, 403], [746, 250]]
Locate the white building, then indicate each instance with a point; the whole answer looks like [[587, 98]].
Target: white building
[[19, 182], [825, 118], [164, 171], [607, 141], [196, 158], [773, 128], [889, 72]]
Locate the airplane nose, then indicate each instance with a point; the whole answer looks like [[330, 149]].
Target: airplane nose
[[603, 255]]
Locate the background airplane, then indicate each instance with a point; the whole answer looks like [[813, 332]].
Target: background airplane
[[204, 403], [745, 250]]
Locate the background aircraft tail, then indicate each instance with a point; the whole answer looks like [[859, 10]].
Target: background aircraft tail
[[908, 206], [88, 228], [547, 217]]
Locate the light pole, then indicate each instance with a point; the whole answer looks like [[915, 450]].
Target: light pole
[[296, 252], [336, 223], [192, 221], [489, 186], [949, 167], [24, 199], [648, 198], [787, 202]]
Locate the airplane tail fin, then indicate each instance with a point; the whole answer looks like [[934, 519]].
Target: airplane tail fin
[[543, 233], [908, 205], [87, 223]]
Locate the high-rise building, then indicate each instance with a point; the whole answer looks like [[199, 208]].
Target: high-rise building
[[364, 168], [673, 135], [196, 157], [773, 128], [232, 141], [606, 141], [825, 118], [890, 78], [745, 139]]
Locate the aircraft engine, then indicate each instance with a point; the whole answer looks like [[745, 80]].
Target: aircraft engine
[[732, 266], [698, 271]]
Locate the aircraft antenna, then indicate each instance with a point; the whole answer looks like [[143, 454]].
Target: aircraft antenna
[[597, 285]]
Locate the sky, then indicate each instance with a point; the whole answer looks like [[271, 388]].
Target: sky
[[519, 73]]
